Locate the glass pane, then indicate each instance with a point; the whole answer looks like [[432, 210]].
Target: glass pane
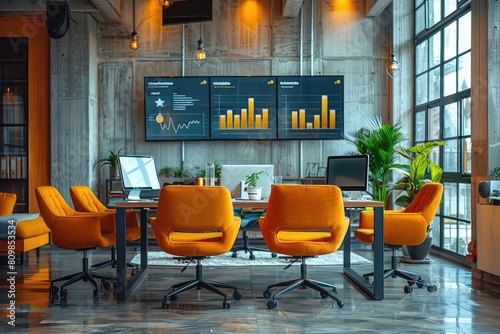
[[450, 161], [450, 200], [450, 234], [420, 126], [449, 7], [435, 51], [450, 78], [420, 20], [464, 201], [464, 72], [435, 84], [467, 149], [450, 41], [434, 8], [436, 231], [464, 33], [466, 130], [418, 3], [450, 120], [434, 124], [421, 57], [421, 89]]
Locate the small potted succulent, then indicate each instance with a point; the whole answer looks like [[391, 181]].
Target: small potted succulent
[[251, 181]]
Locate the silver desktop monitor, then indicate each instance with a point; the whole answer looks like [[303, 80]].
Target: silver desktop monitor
[[233, 178], [348, 172], [138, 173]]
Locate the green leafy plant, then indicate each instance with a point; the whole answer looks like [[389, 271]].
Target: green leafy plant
[[173, 172], [414, 174], [111, 159], [495, 172], [252, 179], [167, 171], [379, 141]]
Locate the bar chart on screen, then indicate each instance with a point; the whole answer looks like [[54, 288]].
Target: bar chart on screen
[[243, 108], [177, 108], [310, 107]]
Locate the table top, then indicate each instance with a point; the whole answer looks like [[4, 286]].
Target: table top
[[246, 203]]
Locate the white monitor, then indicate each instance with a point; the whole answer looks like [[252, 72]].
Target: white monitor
[[233, 178], [138, 172]]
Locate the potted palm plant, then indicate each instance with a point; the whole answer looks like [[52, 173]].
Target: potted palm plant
[[251, 181], [413, 179], [112, 161], [379, 141]]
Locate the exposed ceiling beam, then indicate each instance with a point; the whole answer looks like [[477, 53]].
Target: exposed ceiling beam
[[290, 8], [101, 10], [375, 7]]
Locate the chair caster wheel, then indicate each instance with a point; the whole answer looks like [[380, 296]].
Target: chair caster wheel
[[234, 255], [273, 254], [334, 289], [174, 297], [408, 289], [410, 283], [432, 288], [237, 295], [165, 305], [420, 285], [54, 290], [323, 295], [267, 294], [95, 294], [340, 304], [272, 304], [63, 293], [252, 257], [132, 273], [226, 304]]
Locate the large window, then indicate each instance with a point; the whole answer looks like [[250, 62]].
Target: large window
[[442, 110]]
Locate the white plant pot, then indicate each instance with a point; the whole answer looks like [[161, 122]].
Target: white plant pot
[[254, 193]]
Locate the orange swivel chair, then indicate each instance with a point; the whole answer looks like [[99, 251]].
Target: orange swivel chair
[[304, 221], [404, 227], [85, 200], [194, 222], [77, 231]]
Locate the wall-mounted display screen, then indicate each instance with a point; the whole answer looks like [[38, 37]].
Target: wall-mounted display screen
[[243, 107], [187, 11], [177, 108], [310, 107]]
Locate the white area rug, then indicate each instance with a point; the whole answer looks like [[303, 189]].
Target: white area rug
[[261, 259]]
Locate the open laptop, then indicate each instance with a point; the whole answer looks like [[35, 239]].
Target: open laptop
[[233, 178]]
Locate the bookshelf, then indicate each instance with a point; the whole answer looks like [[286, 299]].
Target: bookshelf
[[114, 192], [13, 121]]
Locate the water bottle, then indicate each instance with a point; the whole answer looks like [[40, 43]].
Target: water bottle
[[210, 174]]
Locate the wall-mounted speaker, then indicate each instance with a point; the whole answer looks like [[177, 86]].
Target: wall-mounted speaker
[[58, 17], [484, 189]]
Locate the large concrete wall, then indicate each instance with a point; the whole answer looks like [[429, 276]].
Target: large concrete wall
[[244, 38]]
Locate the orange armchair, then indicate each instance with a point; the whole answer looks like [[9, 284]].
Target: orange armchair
[[76, 231], [404, 227], [31, 233], [84, 200], [8, 201], [304, 221], [195, 222]]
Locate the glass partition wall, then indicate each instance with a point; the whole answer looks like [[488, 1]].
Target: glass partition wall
[[442, 111]]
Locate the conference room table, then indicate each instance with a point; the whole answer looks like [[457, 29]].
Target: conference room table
[[124, 287]]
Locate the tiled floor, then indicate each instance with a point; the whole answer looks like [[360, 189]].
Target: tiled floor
[[454, 308]]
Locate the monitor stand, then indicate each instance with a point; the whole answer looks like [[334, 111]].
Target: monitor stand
[[134, 195]]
